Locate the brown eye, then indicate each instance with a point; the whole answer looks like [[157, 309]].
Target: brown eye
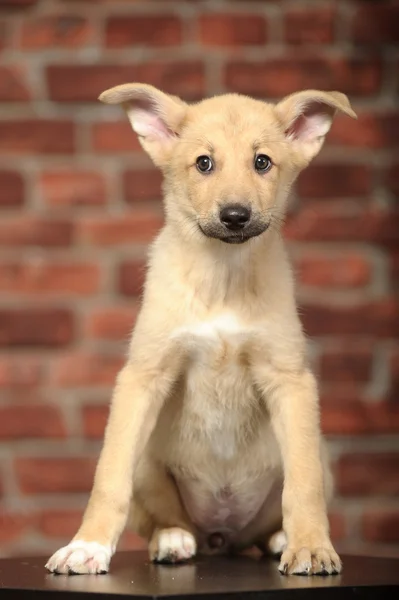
[[262, 163], [204, 164]]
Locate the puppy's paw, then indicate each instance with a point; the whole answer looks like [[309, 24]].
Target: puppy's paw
[[277, 543], [172, 545], [321, 560], [80, 557]]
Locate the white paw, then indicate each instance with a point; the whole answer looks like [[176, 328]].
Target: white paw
[[307, 561], [80, 557], [172, 545], [277, 543]]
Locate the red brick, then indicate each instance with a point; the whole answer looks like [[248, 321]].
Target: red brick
[[378, 318], [330, 224], [32, 231], [50, 327], [31, 421], [370, 130], [149, 30], [185, 79], [350, 415], [59, 523], [131, 277], [377, 23], [394, 368], [114, 136], [54, 475], [94, 418], [20, 373], [335, 180], [63, 31], [392, 178], [337, 526], [77, 83], [137, 227], [368, 474], [4, 35], [82, 83], [348, 270], [17, 3], [381, 525], [37, 136], [13, 526], [84, 370], [395, 362], [277, 77], [13, 84], [73, 188], [12, 189], [42, 277], [142, 185], [381, 227], [348, 361], [309, 25], [114, 324], [394, 268], [221, 29]]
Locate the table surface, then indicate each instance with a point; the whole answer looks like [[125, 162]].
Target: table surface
[[219, 577]]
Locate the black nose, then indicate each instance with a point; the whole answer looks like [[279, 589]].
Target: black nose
[[235, 216]]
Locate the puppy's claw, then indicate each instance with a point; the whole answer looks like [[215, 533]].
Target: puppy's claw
[[283, 568], [336, 569], [323, 569]]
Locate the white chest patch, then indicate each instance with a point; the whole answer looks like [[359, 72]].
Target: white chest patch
[[225, 324], [218, 391]]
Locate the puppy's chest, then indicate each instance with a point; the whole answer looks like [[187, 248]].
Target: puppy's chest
[[223, 334], [219, 396]]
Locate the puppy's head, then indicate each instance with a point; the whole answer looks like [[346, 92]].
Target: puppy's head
[[228, 161]]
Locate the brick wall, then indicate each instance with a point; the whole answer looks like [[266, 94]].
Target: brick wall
[[79, 203]]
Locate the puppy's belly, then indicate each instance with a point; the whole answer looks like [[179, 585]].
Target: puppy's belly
[[228, 510]]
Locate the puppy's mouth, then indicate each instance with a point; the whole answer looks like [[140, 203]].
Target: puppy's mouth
[[233, 237]]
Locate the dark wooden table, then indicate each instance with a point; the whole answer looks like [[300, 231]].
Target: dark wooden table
[[223, 578]]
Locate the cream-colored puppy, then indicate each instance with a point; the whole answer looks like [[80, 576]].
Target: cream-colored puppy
[[213, 439]]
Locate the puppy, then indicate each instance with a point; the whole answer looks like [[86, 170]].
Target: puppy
[[213, 441]]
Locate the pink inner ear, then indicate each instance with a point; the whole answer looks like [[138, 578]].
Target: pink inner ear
[[147, 122], [313, 122]]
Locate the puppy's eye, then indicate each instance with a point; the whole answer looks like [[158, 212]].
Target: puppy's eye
[[204, 164], [262, 163]]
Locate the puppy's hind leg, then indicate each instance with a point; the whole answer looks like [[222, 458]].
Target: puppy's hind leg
[[172, 538], [276, 543]]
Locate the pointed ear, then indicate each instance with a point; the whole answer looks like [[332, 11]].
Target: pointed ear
[[307, 117], [155, 116]]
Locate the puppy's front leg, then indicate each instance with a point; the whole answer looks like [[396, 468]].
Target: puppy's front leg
[[292, 399], [137, 400]]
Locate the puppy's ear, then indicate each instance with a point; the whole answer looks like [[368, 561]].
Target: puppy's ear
[[155, 116], [307, 117]]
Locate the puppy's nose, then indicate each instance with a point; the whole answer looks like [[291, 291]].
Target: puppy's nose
[[235, 216]]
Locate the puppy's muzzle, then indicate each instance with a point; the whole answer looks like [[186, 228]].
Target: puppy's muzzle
[[234, 224]]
